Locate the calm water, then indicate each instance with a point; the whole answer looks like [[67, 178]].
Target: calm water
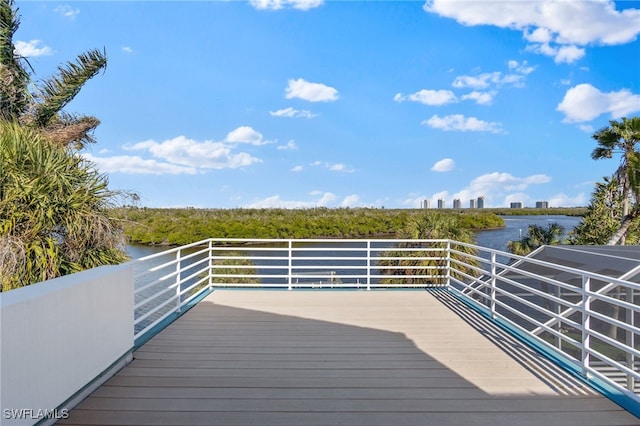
[[515, 228]]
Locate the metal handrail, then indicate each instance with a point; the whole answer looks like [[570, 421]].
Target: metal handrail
[[558, 315]]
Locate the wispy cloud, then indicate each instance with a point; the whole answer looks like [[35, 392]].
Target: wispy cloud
[[460, 123], [428, 97], [321, 199], [290, 145], [67, 11], [293, 113], [282, 4], [312, 92], [585, 102], [334, 167], [130, 164], [127, 49]]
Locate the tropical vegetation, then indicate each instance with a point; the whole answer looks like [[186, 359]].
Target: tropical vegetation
[[54, 206], [604, 216], [422, 266], [622, 137], [182, 226], [537, 236]]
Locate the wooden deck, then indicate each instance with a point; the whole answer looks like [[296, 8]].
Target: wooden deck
[[306, 358]]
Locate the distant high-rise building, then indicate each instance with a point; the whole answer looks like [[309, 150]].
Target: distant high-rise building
[[457, 204], [441, 203], [480, 202], [472, 203], [426, 204], [542, 204], [516, 205]]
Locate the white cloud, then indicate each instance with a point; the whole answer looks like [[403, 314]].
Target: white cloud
[[563, 200], [127, 49], [458, 122], [585, 102], [444, 165], [496, 187], [290, 145], [563, 23], [297, 169], [191, 153], [334, 167], [312, 92], [31, 49], [352, 200], [293, 113], [246, 134], [67, 11], [136, 165], [563, 54], [428, 97], [339, 167], [275, 201], [481, 98], [281, 4], [520, 67], [481, 81]]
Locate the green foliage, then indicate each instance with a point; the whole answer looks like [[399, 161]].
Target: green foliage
[[623, 137], [182, 226], [537, 236], [233, 264], [427, 225], [603, 216], [53, 211]]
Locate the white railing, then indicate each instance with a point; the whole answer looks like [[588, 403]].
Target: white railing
[[589, 320]]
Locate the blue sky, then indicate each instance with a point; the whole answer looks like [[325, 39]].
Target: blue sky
[[305, 103]]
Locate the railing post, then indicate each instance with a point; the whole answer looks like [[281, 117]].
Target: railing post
[[178, 281], [586, 325], [630, 340], [290, 264], [448, 264], [210, 264], [368, 264], [492, 301]]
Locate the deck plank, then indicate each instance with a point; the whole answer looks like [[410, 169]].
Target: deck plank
[[339, 357]]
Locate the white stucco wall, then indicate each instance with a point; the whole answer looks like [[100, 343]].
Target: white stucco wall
[[59, 335]]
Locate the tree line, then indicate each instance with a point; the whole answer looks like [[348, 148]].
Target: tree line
[[182, 226]]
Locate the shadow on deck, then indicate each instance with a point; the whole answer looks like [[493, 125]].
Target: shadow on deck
[[341, 357]]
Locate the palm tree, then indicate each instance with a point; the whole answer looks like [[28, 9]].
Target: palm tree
[[43, 109], [53, 204], [53, 211], [603, 216], [537, 236], [622, 137], [431, 225]]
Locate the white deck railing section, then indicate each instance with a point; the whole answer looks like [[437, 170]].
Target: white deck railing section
[[589, 320]]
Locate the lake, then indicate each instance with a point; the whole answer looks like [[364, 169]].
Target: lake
[[514, 229]]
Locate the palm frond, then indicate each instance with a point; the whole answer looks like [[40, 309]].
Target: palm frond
[[59, 90], [71, 131]]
